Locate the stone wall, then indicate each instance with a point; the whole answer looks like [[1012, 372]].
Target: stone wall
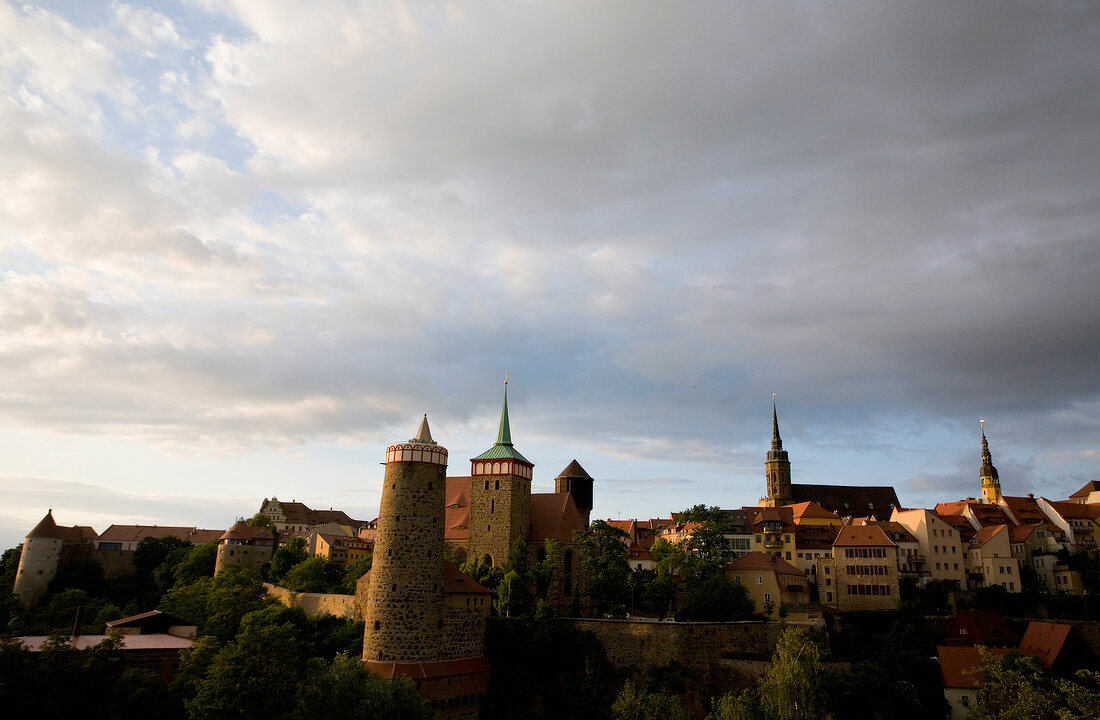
[[698, 646], [317, 604]]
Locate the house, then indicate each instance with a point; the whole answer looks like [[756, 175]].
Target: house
[[294, 516], [862, 574], [981, 627], [770, 581], [960, 670], [990, 561], [150, 641], [1059, 646], [244, 545], [941, 546]]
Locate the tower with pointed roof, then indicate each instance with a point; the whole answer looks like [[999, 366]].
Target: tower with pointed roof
[[405, 602], [46, 549], [500, 495], [777, 469], [574, 481], [990, 480]]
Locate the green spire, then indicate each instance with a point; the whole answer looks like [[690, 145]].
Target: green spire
[[503, 447], [504, 435]]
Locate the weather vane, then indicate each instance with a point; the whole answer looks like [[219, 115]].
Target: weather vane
[[505, 377], [981, 422]]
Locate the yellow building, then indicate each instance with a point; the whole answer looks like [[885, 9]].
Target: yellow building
[[771, 581], [862, 574]]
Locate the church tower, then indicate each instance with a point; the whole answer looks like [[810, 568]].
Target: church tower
[[405, 601], [574, 481], [991, 481], [500, 495], [777, 469]]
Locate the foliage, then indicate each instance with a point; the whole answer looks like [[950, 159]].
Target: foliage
[[83, 574], [286, 557], [256, 671], [9, 566], [483, 573], [353, 572], [550, 568], [512, 596], [345, 689], [603, 559], [791, 688], [1019, 687], [217, 604], [315, 575], [718, 599], [151, 552], [634, 703]]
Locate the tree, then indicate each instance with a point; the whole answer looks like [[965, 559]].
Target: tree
[[603, 558], [483, 573], [314, 575], [257, 671], [353, 572], [742, 706], [634, 703], [217, 604], [548, 569], [720, 599], [1020, 687], [345, 689], [151, 552], [198, 562], [286, 557], [791, 688]]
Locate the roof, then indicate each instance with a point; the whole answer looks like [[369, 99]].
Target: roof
[[457, 582], [1090, 487], [428, 670], [503, 447], [457, 510], [131, 643], [1070, 509], [894, 530], [1020, 533], [241, 530], [150, 622], [1025, 509], [1045, 640], [877, 500], [574, 470], [554, 515], [810, 509], [986, 534], [48, 528], [863, 536], [137, 533], [764, 561], [988, 627], [959, 665]]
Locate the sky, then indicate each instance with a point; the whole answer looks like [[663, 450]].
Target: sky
[[245, 246]]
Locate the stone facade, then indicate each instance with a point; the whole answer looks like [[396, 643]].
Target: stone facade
[[405, 596], [318, 604], [500, 506]]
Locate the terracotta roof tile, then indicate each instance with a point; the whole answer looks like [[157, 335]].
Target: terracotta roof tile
[[764, 561], [554, 515], [862, 536]]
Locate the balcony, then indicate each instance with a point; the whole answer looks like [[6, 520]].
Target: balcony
[[773, 541]]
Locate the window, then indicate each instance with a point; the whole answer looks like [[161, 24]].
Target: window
[[759, 580], [737, 578], [767, 597]]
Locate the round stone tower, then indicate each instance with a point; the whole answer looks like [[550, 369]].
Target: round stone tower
[[39, 560], [405, 601]]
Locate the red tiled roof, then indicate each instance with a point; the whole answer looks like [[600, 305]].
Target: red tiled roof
[[243, 531], [48, 528], [764, 561], [986, 534], [1045, 640], [574, 470], [457, 511], [1090, 487], [863, 536], [1070, 509], [959, 665], [810, 509], [457, 582], [137, 533], [553, 515]]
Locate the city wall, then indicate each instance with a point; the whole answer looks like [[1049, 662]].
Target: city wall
[[696, 645], [318, 604]]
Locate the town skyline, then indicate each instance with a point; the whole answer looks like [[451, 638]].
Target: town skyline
[[244, 248]]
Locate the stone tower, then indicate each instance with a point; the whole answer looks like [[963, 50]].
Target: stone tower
[[574, 481], [405, 600], [39, 560], [500, 495], [777, 469], [991, 481]]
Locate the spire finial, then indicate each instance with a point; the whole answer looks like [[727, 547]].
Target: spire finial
[[506, 379], [424, 435]]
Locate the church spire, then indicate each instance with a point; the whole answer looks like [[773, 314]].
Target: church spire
[[988, 475], [777, 442], [424, 434], [504, 434]]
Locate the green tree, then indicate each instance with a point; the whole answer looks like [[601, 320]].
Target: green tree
[[198, 562], [256, 672], [9, 566], [152, 551], [791, 688], [742, 706], [286, 557], [353, 572], [217, 604], [345, 689], [314, 575], [486, 575], [603, 558], [549, 569], [634, 703], [1015, 687], [719, 599]]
